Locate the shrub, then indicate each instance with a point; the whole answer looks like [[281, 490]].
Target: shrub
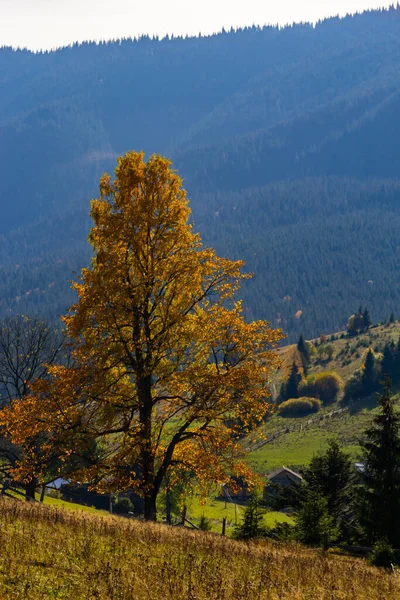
[[325, 386], [383, 555], [53, 493], [353, 388], [204, 523], [123, 506], [298, 407], [326, 352], [282, 532]]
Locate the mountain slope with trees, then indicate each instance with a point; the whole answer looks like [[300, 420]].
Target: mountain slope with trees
[[286, 139]]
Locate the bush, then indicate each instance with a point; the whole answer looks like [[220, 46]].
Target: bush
[[53, 493], [353, 388], [298, 407], [204, 523], [123, 506], [282, 532], [325, 386], [326, 352], [383, 555]]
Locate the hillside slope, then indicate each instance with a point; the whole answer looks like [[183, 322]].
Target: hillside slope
[[86, 556], [294, 441], [286, 139]]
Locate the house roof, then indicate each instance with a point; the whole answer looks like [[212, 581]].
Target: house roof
[[284, 470], [57, 483]]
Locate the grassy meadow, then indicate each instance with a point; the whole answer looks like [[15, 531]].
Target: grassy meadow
[[48, 553], [216, 510]]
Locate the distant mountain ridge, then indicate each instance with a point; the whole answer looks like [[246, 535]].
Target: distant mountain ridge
[[287, 140]]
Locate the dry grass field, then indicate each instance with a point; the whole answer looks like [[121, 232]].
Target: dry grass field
[[50, 553]]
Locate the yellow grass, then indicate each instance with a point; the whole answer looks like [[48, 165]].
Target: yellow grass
[[50, 553]]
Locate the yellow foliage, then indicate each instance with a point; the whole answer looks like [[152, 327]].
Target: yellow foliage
[[166, 372]]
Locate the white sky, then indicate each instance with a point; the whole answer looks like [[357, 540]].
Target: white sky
[[52, 23]]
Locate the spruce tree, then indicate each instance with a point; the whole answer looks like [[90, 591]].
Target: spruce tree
[[368, 381], [380, 491], [302, 347], [282, 394], [367, 319], [330, 474], [252, 525], [387, 363], [292, 386], [396, 366], [313, 519]]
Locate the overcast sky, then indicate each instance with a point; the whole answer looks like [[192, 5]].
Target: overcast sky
[[52, 23]]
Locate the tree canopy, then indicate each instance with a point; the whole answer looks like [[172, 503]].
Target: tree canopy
[[167, 372]]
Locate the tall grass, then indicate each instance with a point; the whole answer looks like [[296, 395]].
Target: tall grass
[[51, 553]]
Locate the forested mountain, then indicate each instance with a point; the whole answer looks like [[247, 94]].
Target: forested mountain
[[287, 139]]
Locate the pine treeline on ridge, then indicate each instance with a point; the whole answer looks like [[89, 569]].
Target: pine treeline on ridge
[[274, 131]]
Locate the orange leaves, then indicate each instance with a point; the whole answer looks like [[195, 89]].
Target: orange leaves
[[168, 372]]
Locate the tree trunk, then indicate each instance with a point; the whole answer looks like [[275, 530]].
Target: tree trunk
[[168, 505], [147, 456], [150, 511], [43, 493], [30, 490]]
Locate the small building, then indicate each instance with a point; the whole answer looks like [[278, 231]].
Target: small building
[[236, 491], [284, 476], [56, 484]]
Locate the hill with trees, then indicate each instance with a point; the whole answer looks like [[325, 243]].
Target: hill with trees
[[286, 139], [344, 372]]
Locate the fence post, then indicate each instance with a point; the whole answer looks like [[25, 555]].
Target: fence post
[[223, 525], [184, 511], [326, 542]]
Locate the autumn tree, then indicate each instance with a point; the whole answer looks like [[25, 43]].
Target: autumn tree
[[167, 372], [27, 347]]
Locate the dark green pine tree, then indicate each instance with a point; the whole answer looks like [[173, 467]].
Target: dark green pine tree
[[396, 366], [282, 394], [380, 490], [387, 363], [330, 474], [302, 347], [292, 386], [368, 380], [367, 319], [252, 525], [392, 320], [313, 519]]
